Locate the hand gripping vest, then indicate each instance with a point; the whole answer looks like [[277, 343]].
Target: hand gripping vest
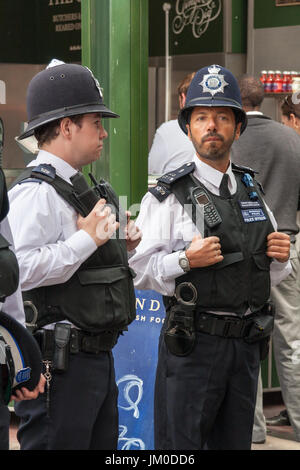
[[100, 295], [242, 279]]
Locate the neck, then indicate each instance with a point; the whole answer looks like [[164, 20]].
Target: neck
[[221, 164], [60, 151], [248, 108]]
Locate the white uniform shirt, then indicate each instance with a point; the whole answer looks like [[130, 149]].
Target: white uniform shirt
[[170, 149], [48, 245], [13, 304], [167, 229]]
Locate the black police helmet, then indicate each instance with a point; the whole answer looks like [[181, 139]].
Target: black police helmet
[[20, 357], [62, 90], [213, 86]]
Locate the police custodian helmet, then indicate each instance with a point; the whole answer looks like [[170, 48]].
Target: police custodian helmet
[[20, 358], [62, 90], [213, 86]]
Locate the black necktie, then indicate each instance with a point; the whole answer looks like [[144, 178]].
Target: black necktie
[[224, 190]]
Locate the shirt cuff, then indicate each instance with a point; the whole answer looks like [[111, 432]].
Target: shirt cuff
[[82, 244], [171, 266], [279, 271]]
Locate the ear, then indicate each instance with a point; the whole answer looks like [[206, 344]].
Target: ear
[[66, 127], [295, 121], [238, 131]]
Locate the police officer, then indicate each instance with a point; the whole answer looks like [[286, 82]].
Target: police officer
[[71, 243], [214, 274], [11, 302]]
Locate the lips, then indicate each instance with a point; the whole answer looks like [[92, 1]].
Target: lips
[[213, 139]]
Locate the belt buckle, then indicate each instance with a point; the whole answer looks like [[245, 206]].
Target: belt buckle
[[90, 344], [230, 328]]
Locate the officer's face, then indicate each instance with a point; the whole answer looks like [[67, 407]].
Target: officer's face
[[87, 139], [212, 132]]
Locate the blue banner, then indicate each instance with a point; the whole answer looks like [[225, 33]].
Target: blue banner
[[135, 363]]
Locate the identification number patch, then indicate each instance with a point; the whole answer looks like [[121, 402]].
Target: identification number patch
[[252, 211]]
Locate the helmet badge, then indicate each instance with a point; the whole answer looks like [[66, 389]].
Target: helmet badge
[[213, 82], [96, 82]]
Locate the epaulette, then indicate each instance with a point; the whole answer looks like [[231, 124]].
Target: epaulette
[[243, 169], [38, 174], [44, 171], [162, 190]]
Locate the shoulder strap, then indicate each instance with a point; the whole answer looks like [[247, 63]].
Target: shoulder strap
[[243, 169], [163, 188], [47, 173]]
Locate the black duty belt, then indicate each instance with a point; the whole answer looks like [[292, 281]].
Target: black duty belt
[[227, 326], [80, 341]]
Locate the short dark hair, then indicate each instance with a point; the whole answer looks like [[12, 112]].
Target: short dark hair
[[48, 132], [252, 91], [288, 107]]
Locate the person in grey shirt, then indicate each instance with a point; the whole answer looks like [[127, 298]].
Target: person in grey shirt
[[273, 150], [171, 148]]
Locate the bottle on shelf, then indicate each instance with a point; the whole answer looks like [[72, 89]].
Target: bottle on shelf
[[290, 83], [285, 82], [263, 78], [270, 82], [278, 82]]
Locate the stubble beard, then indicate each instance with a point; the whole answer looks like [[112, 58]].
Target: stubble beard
[[213, 150]]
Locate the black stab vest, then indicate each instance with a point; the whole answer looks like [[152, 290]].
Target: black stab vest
[[242, 280], [100, 295], [9, 268]]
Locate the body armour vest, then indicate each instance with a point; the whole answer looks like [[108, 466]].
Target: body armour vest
[[9, 268], [100, 295], [241, 281]]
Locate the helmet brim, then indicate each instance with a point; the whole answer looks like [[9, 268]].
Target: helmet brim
[[25, 352], [46, 118], [211, 102]]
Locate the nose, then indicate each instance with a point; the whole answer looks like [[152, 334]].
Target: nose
[[103, 133], [211, 124]]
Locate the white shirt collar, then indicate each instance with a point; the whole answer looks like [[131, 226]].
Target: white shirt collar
[[253, 113], [63, 169], [206, 173]]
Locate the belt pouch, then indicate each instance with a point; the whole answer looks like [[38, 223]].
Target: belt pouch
[[261, 328], [180, 335], [61, 347]]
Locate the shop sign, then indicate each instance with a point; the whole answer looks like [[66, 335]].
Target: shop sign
[[35, 31], [198, 14], [195, 27]]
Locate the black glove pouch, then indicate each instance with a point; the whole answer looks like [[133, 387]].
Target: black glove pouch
[[180, 335], [261, 331]]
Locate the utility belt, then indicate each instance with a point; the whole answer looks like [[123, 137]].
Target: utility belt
[[183, 321], [56, 345]]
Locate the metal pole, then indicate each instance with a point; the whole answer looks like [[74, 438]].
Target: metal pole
[[167, 8]]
